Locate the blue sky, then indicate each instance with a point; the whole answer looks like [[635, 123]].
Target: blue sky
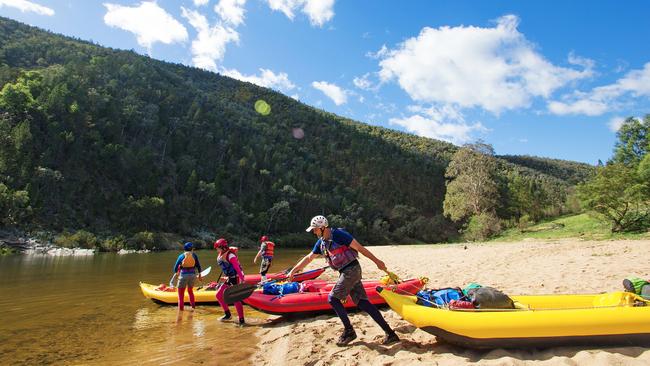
[[545, 78]]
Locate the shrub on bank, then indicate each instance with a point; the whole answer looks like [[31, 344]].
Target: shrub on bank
[[80, 239], [113, 244], [142, 240], [481, 227]]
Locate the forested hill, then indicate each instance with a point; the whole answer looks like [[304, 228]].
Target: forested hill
[[110, 141], [569, 171]]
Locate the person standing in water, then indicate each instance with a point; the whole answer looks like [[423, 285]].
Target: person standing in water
[[186, 265], [266, 251], [341, 250], [231, 268]]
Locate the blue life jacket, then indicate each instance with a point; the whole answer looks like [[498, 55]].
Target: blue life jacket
[[280, 289], [227, 267], [439, 297]]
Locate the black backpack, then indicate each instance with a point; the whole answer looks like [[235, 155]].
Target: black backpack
[[490, 298]]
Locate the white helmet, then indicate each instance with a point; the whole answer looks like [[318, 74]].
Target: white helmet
[[318, 222]]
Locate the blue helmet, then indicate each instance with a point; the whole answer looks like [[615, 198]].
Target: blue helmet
[[188, 246]]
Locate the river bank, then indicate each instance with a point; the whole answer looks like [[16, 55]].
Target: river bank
[[524, 267]]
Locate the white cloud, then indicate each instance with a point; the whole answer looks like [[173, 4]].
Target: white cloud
[[338, 95], [445, 112], [209, 46], [231, 11], [492, 68], [457, 133], [586, 63], [27, 6], [636, 82], [587, 107], [318, 11], [443, 122], [284, 6], [201, 2], [604, 98], [383, 51], [149, 22], [615, 123], [267, 79], [363, 82]]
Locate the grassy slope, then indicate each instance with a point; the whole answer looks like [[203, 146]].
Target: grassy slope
[[581, 226]]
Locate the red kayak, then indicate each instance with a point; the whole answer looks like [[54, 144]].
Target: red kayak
[[313, 297], [309, 275]]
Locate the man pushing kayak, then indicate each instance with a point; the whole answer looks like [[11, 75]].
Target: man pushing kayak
[[341, 250]]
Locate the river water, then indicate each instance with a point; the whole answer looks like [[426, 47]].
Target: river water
[[89, 311]]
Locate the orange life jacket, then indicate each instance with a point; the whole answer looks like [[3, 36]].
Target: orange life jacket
[[188, 261], [269, 249]]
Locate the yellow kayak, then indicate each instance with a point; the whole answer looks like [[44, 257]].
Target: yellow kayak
[[617, 318], [170, 295]]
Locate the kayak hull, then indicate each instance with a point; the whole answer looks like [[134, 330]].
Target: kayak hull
[[170, 295], [538, 321], [314, 298], [202, 294]]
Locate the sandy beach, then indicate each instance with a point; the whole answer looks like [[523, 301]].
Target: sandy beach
[[526, 267]]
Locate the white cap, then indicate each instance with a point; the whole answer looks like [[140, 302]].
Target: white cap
[[317, 222]]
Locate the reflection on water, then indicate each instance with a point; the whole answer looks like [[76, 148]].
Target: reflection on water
[[89, 310]]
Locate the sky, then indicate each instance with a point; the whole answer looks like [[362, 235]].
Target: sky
[[546, 78]]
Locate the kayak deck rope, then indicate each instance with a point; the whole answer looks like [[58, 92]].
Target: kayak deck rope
[[521, 307]]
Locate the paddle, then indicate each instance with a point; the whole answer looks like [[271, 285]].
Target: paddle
[[206, 272], [243, 290]]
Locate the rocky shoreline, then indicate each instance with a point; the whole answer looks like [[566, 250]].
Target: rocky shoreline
[[31, 246]]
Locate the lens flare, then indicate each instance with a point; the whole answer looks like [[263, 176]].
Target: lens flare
[[298, 133], [262, 107]]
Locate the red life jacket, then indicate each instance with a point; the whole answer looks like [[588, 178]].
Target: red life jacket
[[269, 249], [337, 255]]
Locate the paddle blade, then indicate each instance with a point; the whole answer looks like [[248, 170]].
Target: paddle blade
[[206, 271], [171, 280], [238, 292]]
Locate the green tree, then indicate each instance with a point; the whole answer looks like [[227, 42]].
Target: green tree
[[618, 194], [14, 206], [471, 189], [633, 141]]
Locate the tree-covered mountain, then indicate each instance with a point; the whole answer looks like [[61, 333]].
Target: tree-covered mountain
[[113, 142]]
